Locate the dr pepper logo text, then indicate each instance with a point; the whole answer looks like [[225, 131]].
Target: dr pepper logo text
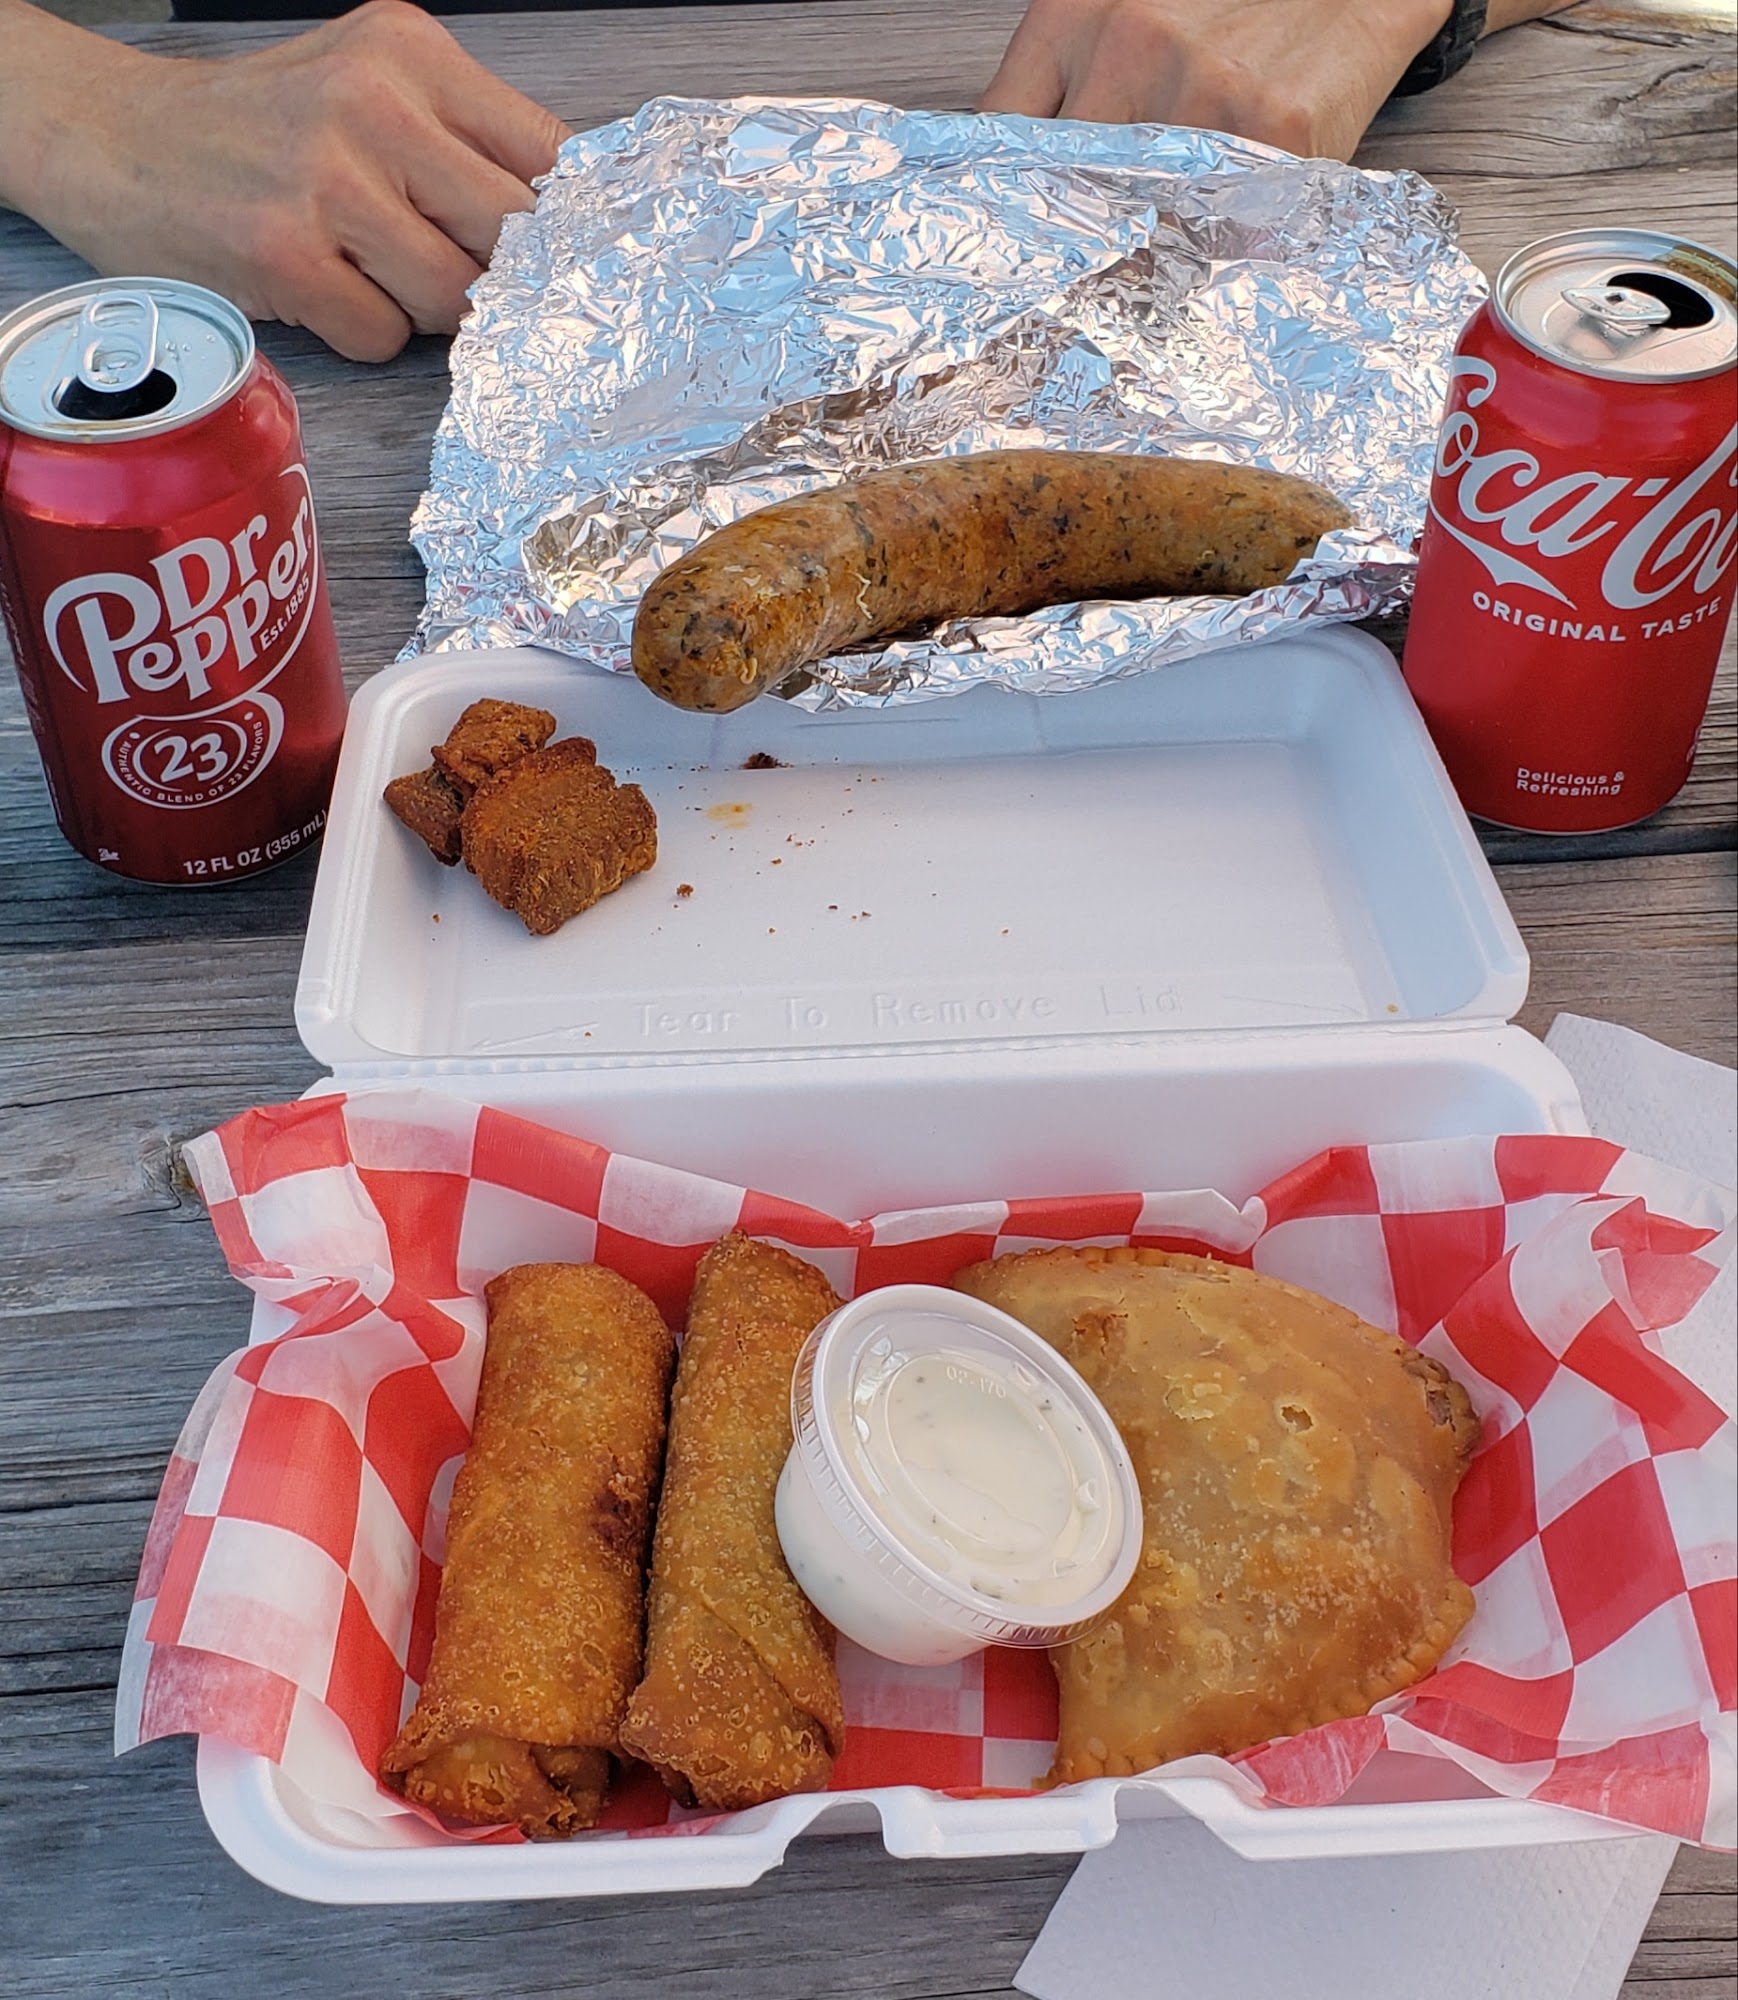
[[213, 612]]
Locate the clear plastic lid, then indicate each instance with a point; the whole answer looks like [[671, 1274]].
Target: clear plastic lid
[[964, 1463]]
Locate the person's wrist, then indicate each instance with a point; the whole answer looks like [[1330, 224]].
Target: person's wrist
[[1446, 47], [1429, 18]]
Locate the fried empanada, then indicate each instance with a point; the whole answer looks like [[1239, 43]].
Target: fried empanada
[[1297, 1470]]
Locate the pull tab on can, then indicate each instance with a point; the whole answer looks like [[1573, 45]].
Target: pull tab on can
[[126, 357], [1618, 308], [114, 349], [1630, 304], [116, 342]]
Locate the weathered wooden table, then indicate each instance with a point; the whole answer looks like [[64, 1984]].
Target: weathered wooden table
[[132, 1018]]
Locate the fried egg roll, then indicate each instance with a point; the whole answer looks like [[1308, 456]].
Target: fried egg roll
[[740, 1701], [540, 1620]]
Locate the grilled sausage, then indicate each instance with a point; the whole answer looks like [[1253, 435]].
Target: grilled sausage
[[989, 535]]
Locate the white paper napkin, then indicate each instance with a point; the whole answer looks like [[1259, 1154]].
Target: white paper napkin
[[1168, 1912]]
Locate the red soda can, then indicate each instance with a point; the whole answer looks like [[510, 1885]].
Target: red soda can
[[162, 583], [1577, 568]]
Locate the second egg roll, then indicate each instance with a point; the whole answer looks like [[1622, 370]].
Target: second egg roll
[[740, 1702], [540, 1621]]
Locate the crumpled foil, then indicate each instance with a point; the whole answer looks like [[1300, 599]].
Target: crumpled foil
[[716, 305]]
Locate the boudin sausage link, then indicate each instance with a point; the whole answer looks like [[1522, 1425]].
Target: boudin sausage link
[[989, 535]]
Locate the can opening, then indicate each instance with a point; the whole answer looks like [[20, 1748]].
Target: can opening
[[86, 405], [1685, 305]]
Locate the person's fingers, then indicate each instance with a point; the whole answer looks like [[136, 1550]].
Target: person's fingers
[[1105, 97], [1140, 69], [470, 100], [415, 263], [498, 120], [462, 193], [1029, 78], [347, 310]]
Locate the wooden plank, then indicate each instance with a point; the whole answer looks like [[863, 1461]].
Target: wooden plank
[[369, 453], [1705, 1917], [149, 1906], [66, 1582], [1702, 818], [1499, 216], [1648, 942], [1645, 1987], [1559, 97], [50, 895], [130, 1019], [110, 1057], [1567, 101], [1698, 1872], [1550, 98]]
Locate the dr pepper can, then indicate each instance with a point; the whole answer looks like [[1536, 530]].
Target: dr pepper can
[[1577, 568], [162, 582]]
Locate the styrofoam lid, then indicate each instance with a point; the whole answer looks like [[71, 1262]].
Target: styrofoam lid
[[1259, 839]]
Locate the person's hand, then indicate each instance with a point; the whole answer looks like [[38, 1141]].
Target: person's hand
[[1304, 75], [351, 180]]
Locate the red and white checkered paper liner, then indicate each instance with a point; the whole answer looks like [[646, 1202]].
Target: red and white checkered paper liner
[[286, 1598]]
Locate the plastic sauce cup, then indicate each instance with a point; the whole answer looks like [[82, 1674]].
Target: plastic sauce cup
[[953, 1483]]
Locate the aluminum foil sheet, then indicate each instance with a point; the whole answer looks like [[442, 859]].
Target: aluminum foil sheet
[[716, 305]]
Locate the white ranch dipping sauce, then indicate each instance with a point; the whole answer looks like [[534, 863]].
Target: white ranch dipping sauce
[[953, 1483]]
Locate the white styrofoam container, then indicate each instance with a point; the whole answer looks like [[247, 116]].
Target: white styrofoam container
[[1179, 931]]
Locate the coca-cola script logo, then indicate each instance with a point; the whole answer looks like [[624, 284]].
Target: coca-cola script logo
[[208, 604], [1685, 540]]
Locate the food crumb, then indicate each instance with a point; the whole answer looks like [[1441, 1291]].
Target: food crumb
[[436, 916], [684, 888], [762, 760]]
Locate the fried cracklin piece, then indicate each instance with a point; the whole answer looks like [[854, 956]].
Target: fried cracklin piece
[[431, 805], [1297, 1470], [554, 832], [540, 1620], [487, 737], [740, 1702]]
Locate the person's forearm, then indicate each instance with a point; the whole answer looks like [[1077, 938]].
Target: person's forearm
[[47, 71]]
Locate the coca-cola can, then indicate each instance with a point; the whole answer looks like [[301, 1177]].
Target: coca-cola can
[[162, 585], [1577, 568]]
